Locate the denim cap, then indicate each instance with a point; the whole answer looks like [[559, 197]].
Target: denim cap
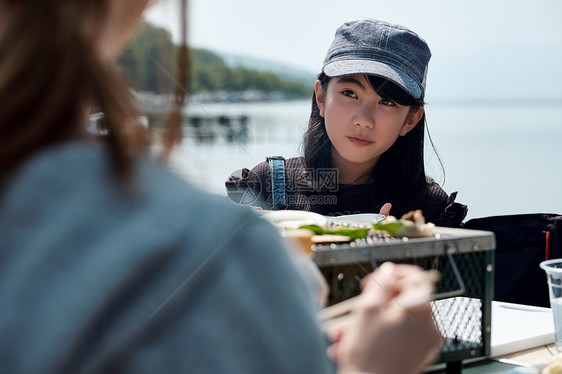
[[382, 49]]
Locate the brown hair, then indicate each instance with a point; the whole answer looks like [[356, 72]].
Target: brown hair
[[172, 123], [50, 76]]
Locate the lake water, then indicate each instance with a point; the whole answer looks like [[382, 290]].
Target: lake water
[[502, 159]]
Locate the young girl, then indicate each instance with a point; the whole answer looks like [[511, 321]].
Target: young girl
[[365, 140], [111, 264]]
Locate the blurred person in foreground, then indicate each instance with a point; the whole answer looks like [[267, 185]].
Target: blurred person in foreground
[[111, 264]]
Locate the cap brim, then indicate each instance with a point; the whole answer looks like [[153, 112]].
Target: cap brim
[[393, 74]]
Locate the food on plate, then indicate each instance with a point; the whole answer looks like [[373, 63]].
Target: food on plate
[[317, 223], [328, 238], [411, 225], [325, 230], [348, 232], [302, 239]]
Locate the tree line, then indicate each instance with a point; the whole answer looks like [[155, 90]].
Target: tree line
[[148, 63]]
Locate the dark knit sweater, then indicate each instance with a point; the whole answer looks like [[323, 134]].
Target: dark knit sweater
[[331, 199]]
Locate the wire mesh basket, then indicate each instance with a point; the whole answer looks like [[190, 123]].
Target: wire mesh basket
[[464, 293]]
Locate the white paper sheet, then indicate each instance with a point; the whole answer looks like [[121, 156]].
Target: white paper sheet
[[517, 327]]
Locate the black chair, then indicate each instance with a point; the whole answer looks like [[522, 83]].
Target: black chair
[[522, 242]]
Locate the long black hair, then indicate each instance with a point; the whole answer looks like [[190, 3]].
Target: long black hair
[[399, 176]]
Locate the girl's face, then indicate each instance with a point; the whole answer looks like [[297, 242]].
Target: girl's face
[[360, 124]]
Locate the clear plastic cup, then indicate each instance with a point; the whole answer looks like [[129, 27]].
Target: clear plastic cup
[[553, 269]]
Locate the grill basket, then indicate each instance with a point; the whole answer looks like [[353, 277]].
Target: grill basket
[[464, 293]]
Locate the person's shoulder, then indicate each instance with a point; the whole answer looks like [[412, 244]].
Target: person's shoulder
[[435, 191], [80, 173], [295, 162], [261, 169], [442, 209], [160, 185], [290, 163], [194, 219]]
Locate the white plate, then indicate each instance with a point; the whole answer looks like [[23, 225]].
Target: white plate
[[358, 219], [293, 219]]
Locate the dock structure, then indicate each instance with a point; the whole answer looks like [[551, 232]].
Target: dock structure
[[232, 128], [205, 129]]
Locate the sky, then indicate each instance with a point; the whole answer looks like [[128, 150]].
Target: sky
[[478, 46]]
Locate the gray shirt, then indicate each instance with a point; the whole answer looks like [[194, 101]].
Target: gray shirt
[[152, 277]]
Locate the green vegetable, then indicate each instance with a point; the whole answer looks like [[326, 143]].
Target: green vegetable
[[390, 227], [353, 234], [317, 230]]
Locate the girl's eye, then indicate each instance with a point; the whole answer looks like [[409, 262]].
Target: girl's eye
[[387, 102], [349, 93]]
